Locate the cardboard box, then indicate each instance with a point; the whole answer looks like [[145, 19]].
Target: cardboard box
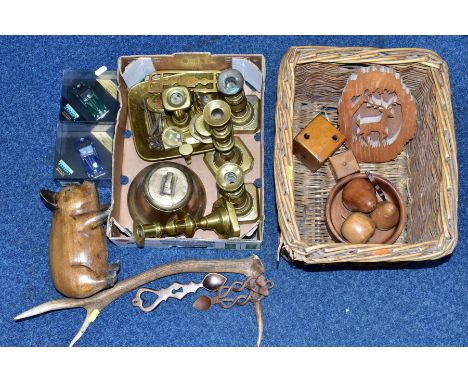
[[127, 164]]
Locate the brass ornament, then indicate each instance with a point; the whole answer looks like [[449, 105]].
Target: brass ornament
[[203, 81]]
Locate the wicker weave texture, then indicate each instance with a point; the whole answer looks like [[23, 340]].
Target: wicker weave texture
[[311, 80]]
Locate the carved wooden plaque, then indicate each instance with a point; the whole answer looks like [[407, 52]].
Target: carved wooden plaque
[[376, 114]]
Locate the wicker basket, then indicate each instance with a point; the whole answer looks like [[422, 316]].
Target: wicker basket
[[311, 80]]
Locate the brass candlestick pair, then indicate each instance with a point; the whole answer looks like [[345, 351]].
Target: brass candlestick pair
[[220, 118]]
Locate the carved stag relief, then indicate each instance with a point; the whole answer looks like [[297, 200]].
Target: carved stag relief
[[377, 114]]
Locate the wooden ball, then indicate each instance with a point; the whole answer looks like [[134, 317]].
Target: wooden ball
[[358, 228], [385, 216]]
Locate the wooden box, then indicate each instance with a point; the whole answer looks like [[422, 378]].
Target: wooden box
[[314, 144]]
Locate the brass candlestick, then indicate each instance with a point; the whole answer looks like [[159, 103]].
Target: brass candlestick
[[231, 85], [217, 117], [222, 220], [244, 109], [244, 197], [176, 101]]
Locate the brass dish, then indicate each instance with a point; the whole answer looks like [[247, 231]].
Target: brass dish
[[140, 130]]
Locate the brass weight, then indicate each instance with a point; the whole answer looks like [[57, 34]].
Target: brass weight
[[222, 220], [217, 120], [244, 197]]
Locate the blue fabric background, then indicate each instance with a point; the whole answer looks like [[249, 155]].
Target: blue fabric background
[[420, 304]]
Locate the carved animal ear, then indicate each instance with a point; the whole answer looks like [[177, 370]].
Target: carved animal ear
[[50, 199], [88, 183]]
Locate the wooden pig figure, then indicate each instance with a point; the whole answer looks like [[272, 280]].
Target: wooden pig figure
[[77, 244]]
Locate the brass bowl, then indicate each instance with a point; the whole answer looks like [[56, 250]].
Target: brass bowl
[[336, 213], [157, 196]]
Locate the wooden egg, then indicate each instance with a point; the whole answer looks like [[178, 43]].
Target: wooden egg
[[358, 228], [385, 215], [359, 196]]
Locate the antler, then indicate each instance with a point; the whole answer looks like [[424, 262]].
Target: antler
[[392, 101], [251, 266], [378, 101], [375, 101]]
